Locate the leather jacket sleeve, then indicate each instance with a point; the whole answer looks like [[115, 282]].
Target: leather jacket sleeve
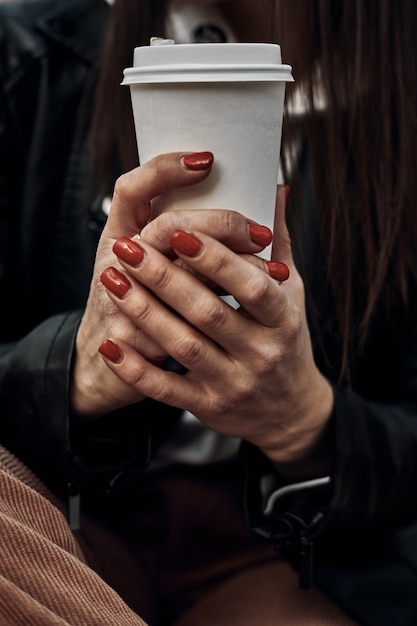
[[33, 392], [372, 488], [371, 493], [50, 222], [106, 455]]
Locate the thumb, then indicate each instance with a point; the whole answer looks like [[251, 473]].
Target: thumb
[[135, 190], [281, 243]]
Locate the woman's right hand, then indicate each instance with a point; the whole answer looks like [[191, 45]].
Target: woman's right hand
[[95, 390]]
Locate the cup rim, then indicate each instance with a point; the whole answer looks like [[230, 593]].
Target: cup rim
[[213, 62]]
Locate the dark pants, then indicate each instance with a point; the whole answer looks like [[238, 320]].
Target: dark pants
[[180, 556]]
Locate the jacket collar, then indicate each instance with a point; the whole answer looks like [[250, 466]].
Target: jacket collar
[[77, 25]]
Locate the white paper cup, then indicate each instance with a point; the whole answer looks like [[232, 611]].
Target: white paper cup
[[224, 98]]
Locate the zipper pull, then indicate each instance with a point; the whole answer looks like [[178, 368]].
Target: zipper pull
[[306, 563], [74, 508]]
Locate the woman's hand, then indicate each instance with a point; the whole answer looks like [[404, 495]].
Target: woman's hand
[[251, 372], [95, 390]]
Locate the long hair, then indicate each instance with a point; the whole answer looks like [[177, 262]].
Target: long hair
[[113, 142], [356, 72], [354, 66]]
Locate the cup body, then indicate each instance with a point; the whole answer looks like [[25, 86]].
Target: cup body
[[225, 98]]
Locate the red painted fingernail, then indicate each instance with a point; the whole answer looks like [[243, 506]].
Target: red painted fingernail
[[261, 235], [129, 251], [111, 351], [198, 160], [186, 243], [277, 270], [115, 282]]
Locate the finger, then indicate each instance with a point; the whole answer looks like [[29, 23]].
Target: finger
[[281, 245], [149, 380], [231, 228], [276, 269], [178, 339], [257, 292], [134, 191], [185, 294]]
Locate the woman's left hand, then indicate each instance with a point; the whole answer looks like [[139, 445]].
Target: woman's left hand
[[250, 371]]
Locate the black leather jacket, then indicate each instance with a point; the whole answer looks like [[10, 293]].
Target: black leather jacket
[[361, 524]]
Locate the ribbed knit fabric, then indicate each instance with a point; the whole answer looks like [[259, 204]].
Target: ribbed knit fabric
[[44, 580]]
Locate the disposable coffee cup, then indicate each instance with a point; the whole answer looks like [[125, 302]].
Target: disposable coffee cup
[[225, 98]]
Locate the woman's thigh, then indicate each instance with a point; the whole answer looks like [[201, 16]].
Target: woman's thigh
[[203, 566], [266, 594]]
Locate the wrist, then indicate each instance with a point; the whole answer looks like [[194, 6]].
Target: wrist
[[86, 400], [306, 446]]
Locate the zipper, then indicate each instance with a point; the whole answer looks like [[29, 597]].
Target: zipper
[[306, 562]]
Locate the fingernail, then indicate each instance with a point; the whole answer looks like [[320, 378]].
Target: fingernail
[[197, 160], [115, 282], [277, 270], [261, 235], [111, 351], [186, 243], [129, 251]]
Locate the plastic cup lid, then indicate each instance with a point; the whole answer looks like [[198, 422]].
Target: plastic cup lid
[[212, 62]]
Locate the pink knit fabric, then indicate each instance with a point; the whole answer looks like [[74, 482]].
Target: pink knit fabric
[[44, 580]]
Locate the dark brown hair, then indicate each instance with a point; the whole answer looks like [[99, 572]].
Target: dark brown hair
[[362, 146], [113, 143]]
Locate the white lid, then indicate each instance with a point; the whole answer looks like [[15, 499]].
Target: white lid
[[211, 62]]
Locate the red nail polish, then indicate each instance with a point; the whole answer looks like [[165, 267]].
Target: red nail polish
[[129, 251], [186, 243], [111, 351], [261, 235], [198, 160], [277, 270], [115, 282]]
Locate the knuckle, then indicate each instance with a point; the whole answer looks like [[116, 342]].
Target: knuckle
[[134, 376], [230, 222], [294, 327], [123, 186], [161, 276], [160, 169], [154, 166], [188, 350], [241, 388], [164, 393], [158, 230], [162, 226], [142, 311], [218, 406], [259, 289], [137, 379], [221, 263], [244, 388], [268, 362], [212, 315]]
